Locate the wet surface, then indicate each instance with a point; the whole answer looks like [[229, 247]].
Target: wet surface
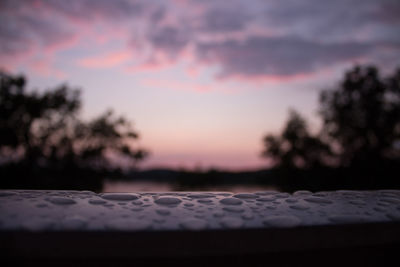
[[41, 210]]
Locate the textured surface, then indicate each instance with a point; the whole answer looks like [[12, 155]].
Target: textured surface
[[86, 211]]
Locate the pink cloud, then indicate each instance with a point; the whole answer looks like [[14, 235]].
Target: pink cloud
[[44, 67], [62, 43], [178, 85], [149, 65], [263, 79], [108, 60]]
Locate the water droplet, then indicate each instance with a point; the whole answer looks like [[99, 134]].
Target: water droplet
[[318, 200], [137, 202], [188, 204], [6, 194], [97, 201], [248, 216], [168, 201], [233, 209], [319, 194], [231, 222], [246, 196], [299, 207], [282, 195], [266, 193], [379, 209], [119, 196], [61, 200], [390, 200], [205, 201], [282, 221], [193, 224], [163, 212], [266, 199], [357, 202], [231, 201], [302, 193], [291, 200], [219, 214], [201, 195]]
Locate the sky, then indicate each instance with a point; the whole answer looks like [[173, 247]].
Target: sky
[[203, 81]]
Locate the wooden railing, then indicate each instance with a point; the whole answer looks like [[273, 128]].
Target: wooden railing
[[199, 228]]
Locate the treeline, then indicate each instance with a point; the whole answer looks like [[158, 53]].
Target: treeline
[[45, 144], [358, 145]]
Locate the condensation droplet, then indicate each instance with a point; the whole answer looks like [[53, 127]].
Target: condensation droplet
[[167, 201], [299, 207], [318, 200], [205, 201], [163, 212], [201, 195], [267, 198], [246, 196], [248, 216], [233, 209], [231, 201], [61, 201], [6, 194], [119, 196], [97, 201]]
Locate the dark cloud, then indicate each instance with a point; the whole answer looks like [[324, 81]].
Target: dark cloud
[[302, 35], [19, 33], [170, 40], [224, 20], [339, 20], [27, 24], [277, 56], [103, 9]]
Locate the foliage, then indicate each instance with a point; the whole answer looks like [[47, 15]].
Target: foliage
[[362, 116], [44, 130], [296, 147], [361, 126]]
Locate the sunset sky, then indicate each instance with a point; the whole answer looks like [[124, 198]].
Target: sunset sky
[[203, 81]]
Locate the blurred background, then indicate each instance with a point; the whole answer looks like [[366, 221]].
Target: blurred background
[[200, 95]]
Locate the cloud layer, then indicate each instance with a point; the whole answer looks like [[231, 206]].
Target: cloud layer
[[243, 39]]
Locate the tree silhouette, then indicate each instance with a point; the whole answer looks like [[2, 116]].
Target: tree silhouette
[[44, 130], [360, 135], [296, 147], [362, 117]]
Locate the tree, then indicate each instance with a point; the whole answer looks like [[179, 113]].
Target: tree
[[362, 117], [295, 147], [44, 130], [358, 146]]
